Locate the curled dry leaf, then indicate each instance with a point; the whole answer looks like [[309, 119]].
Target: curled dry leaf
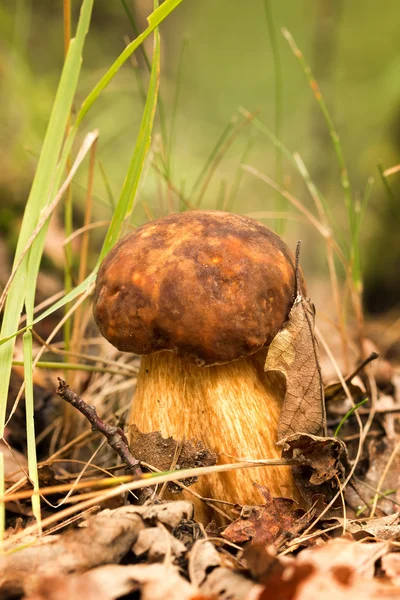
[[167, 513], [339, 570], [320, 459], [336, 396], [157, 543], [293, 352], [215, 578], [103, 539], [266, 523], [167, 453], [382, 528], [261, 561], [155, 582], [391, 567]]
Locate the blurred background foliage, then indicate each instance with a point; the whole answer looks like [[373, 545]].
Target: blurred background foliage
[[216, 58]]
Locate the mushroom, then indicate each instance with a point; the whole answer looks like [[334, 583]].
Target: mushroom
[[200, 295]]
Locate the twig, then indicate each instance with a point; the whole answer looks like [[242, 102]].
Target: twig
[[116, 438], [364, 363], [297, 269]]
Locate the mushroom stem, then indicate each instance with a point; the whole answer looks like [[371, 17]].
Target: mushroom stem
[[232, 409]]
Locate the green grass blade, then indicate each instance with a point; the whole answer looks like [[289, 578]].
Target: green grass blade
[[135, 29], [38, 198], [30, 423], [175, 105], [161, 109], [77, 291], [218, 145], [110, 195], [221, 198], [348, 415], [8, 333], [127, 198], [65, 366], [154, 20], [344, 176], [363, 205], [268, 133], [2, 504], [281, 204], [238, 176]]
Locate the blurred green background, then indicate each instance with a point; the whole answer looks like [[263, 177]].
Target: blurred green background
[[217, 57]]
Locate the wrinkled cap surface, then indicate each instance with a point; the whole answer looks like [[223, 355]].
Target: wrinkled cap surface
[[208, 285]]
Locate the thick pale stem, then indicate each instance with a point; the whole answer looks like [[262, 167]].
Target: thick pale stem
[[232, 408]]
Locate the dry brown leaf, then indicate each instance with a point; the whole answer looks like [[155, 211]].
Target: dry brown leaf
[[261, 561], [266, 523], [155, 582], [164, 453], [339, 570], [335, 394], [213, 574], [379, 453], [391, 567], [103, 539], [167, 513], [225, 584], [382, 528], [157, 543], [320, 458], [293, 352]]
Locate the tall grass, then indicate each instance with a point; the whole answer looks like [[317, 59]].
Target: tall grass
[[50, 171], [50, 182]]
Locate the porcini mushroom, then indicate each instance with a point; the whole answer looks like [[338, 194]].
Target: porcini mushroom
[[200, 295]]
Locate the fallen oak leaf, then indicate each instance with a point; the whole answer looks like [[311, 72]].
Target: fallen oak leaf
[[264, 524]]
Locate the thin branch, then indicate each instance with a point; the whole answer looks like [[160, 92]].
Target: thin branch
[[115, 436]]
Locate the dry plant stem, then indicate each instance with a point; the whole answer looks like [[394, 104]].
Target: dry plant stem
[[77, 327], [232, 409], [51, 300], [56, 329], [98, 498], [330, 256], [363, 434], [343, 383], [172, 188], [294, 201], [115, 436], [84, 229], [55, 350], [48, 211], [221, 153], [356, 300], [395, 451]]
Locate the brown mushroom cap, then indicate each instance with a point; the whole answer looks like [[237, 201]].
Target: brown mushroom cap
[[208, 285]]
